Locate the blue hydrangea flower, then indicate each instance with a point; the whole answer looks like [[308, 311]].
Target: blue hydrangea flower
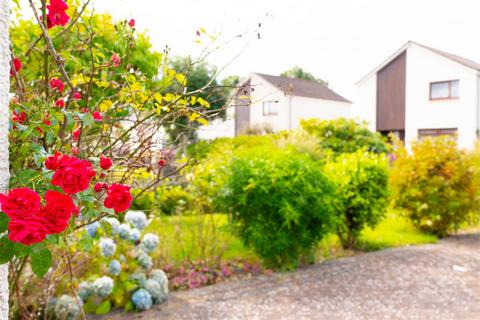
[[139, 278], [114, 267], [124, 230], [142, 299], [144, 260], [137, 219], [66, 307], [85, 290], [103, 286], [149, 242], [114, 224], [134, 235], [108, 247], [160, 276], [156, 291], [92, 228]]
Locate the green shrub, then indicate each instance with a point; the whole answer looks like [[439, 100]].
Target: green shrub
[[362, 182], [436, 185], [174, 199], [281, 203], [345, 135]]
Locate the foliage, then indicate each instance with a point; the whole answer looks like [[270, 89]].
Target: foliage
[[345, 135], [299, 73], [85, 88], [436, 185], [281, 203], [200, 76], [123, 251], [362, 182]]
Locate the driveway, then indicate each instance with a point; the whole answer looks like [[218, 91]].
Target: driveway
[[438, 281]]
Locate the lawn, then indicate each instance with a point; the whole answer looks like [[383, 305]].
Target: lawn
[[199, 237]]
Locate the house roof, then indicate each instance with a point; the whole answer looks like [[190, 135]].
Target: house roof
[[302, 88], [463, 61]]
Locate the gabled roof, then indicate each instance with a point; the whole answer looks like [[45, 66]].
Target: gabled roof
[[302, 88], [463, 61]]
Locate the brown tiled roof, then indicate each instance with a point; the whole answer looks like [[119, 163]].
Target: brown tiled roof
[[466, 62], [302, 88]]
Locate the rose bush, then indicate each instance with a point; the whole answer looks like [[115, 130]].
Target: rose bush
[[77, 80]]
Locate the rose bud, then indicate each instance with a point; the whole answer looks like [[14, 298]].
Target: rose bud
[[162, 162]]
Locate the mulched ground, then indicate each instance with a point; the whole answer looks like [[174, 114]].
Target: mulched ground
[[439, 281]]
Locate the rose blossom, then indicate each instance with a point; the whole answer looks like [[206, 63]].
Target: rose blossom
[[73, 175], [76, 134], [19, 118], [60, 103], [118, 198], [97, 116], [56, 83], [131, 23], [77, 96], [105, 163], [27, 231], [17, 65], [116, 60], [57, 212], [51, 163], [56, 15], [20, 203]]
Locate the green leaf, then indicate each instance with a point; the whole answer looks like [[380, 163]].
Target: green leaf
[[86, 244], [87, 119], [22, 250], [41, 260], [104, 307], [7, 249], [3, 222], [128, 307]]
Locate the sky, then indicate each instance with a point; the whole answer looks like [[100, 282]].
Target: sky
[[337, 40]]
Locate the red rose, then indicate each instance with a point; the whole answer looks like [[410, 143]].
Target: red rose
[[76, 134], [17, 64], [19, 118], [27, 231], [97, 116], [105, 163], [57, 212], [56, 83], [51, 163], [116, 60], [162, 162], [99, 186], [131, 23], [20, 203], [77, 96], [56, 15], [118, 198], [73, 175], [47, 122], [60, 103]]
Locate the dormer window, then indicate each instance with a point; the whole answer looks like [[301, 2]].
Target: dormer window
[[444, 90]]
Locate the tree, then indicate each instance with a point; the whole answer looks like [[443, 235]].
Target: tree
[[4, 121], [298, 73], [200, 76]]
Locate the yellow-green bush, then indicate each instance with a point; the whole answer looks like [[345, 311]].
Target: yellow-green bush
[[361, 179], [436, 185]]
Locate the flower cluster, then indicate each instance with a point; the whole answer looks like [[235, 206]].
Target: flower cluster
[[57, 15], [30, 222], [153, 290], [66, 307]]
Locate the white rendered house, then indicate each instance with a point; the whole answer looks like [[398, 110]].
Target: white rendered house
[[279, 103], [421, 91]]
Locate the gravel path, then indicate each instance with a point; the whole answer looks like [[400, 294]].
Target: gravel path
[[439, 281]]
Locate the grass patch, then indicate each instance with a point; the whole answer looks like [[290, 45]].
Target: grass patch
[[394, 231], [197, 237], [208, 237]]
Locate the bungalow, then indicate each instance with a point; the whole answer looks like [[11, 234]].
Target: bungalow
[[274, 103], [421, 91]]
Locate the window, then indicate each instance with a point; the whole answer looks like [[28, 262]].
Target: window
[[422, 133], [444, 90], [270, 108]]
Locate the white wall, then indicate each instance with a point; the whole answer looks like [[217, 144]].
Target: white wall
[[424, 67], [365, 103], [306, 108]]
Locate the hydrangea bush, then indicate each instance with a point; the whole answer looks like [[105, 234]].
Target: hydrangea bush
[[126, 277]]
